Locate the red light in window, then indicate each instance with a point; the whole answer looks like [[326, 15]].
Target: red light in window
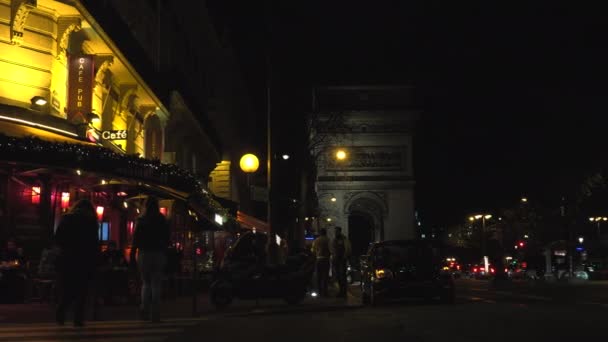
[[35, 195], [199, 251], [65, 200], [130, 227], [100, 211], [163, 211]]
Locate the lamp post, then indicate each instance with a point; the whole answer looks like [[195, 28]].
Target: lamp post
[[249, 163], [598, 220], [483, 219]]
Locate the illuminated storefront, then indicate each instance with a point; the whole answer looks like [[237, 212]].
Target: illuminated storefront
[[78, 121]]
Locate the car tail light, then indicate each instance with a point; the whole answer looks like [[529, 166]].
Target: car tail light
[[492, 270], [475, 270]]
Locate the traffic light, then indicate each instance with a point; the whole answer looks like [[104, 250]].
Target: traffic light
[[521, 244]]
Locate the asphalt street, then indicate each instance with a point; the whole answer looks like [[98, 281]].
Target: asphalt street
[[481, 312]]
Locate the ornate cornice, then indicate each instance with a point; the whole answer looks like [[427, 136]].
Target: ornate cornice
[[102, 64], [65, 27], [20, 10]]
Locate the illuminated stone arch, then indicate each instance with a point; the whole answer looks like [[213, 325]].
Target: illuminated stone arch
[[376, 202], [371, 205]]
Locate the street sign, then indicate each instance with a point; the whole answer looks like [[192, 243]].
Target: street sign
[[259, 193]]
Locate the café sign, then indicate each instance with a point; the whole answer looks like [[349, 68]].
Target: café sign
[[114, 135], [80, 87]]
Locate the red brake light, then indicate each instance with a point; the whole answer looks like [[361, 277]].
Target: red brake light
[[492, 270], [475, 270]]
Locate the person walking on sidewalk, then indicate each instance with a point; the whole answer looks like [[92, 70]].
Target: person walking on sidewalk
[[77, 239], [340, 249], [151, 239], [320, 249]]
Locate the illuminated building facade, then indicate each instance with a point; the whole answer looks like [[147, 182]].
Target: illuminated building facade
[[88, 112]]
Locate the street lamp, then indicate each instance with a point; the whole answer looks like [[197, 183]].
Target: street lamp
[[341, 155], [249, 163], [598, 219], [483, 218]]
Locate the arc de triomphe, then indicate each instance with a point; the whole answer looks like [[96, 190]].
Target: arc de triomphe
[[370, 192]]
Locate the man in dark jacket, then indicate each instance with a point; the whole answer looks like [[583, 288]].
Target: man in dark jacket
[[76, 236], [151, 239], [340, 250]]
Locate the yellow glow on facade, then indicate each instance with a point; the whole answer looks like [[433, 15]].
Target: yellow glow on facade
[[249, 163], [41, 70], [341, 155]]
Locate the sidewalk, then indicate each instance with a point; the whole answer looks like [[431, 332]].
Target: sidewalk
[[180, 307]]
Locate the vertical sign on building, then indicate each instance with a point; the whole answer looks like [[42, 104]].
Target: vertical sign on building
[[80, 87], [154, 138]]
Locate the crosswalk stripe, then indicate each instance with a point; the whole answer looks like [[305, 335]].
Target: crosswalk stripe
[[107, 331]]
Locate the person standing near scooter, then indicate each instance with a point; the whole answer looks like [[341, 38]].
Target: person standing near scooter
[[340, 249], [320, 249]]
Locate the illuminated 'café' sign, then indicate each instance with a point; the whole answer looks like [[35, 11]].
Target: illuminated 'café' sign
[[80, 87], [114, 135]]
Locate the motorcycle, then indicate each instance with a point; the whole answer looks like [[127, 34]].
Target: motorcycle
[[244, 274]]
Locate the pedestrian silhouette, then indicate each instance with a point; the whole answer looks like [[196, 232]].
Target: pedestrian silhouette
[[77, 239], [150, 245]]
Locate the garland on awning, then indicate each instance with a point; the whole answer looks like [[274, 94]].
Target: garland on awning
[[32, 150]]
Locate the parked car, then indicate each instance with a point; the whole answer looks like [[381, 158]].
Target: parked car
[[402, 268]]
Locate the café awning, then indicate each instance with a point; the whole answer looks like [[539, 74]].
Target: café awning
[[249, 222]]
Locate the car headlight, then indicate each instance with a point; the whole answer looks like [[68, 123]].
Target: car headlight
[[383, 273]]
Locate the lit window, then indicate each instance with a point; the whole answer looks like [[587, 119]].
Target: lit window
[[35, 195], [104, 231]]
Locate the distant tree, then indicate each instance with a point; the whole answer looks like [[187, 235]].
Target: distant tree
[[321, 132]]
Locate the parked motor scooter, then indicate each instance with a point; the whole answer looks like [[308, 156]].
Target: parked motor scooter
[[245, 274]]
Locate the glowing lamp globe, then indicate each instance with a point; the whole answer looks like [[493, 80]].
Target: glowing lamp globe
[[249, 163], [341, 155]]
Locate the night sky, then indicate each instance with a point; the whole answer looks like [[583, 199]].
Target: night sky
[[513, 99]]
